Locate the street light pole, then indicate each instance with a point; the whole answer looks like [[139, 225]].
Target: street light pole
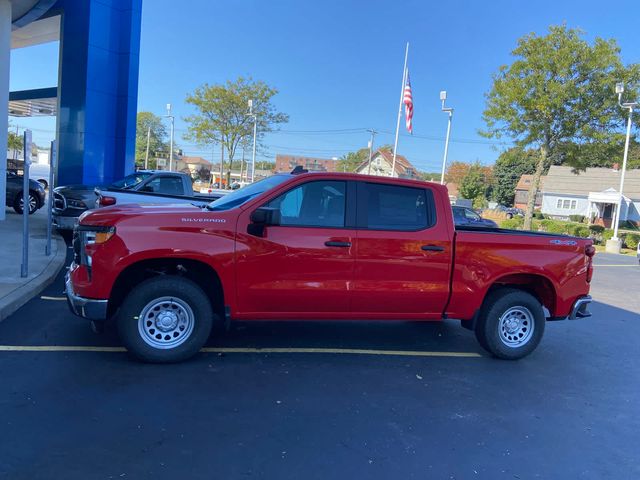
[[449, 110], [373, 134], [616, 218], [168, 115], [255, 134]]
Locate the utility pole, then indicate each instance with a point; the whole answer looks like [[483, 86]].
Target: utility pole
[[373, 134], [146, 155], [168, 115], [242, 165], [449, 110]]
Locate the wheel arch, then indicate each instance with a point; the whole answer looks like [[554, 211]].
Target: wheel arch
[[535, 284], [197, 271]]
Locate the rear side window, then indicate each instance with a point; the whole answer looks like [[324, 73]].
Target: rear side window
[[167, 185], [312, 204], [391, 207]]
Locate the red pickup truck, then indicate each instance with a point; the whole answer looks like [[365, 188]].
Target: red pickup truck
[[319, 246]]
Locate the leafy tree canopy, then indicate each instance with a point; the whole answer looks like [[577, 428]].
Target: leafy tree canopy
[[221, 113], [147, 122], [508, 169], [558, 90]]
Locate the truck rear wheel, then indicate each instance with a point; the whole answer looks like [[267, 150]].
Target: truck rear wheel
[[165, 319], [511, 324]]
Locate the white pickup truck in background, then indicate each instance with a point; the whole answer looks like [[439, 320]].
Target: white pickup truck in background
[[159, 188]]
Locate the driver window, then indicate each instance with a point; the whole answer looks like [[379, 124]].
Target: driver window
[[313, 204]]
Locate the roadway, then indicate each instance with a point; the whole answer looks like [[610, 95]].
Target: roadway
[[326, 400]]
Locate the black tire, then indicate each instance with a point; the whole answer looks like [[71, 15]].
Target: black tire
[[33, 203], [518, 339], [181, 291]]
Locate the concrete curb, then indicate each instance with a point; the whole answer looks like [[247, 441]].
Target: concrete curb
[[33, 287]]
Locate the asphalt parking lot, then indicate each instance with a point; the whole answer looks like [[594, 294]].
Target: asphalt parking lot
[[328, 402]]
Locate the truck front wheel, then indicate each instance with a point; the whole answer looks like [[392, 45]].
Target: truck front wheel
[[511, 324], [165, 319]]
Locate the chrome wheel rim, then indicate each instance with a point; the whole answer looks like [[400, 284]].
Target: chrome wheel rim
[[166, 322], [515, 326], [33, 206]]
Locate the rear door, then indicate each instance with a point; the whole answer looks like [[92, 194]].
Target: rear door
[[403, 255], [302, 268]]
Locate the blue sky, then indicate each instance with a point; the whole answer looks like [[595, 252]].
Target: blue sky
[[338, 64]]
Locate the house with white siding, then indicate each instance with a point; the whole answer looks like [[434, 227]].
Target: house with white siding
[[381, 164], [592, 193]]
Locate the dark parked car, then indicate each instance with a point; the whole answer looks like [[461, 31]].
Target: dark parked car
[[14, 193], [467, 217], [71, 201], [510, 212]]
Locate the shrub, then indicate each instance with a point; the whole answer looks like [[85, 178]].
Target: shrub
[[577, 218], [596, 228], [556, 227], [579, 231], [538, 214], [515, 223], [607, 235], [631, 240]]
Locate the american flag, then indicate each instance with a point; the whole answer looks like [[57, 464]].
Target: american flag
[[407, 99]]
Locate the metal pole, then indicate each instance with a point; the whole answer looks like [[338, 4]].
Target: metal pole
[[255, 134], [146, 155], [446, 148], [24, 268], [171, 148], [624, 170], [373, 134], [242, 165], [52, 164], [404, 79], [221, 164], [5, 53]]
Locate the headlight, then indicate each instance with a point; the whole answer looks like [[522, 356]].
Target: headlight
[[86, 235], [76, 203]]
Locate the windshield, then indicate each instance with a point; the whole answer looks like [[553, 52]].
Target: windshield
[[131, 180], [243, 195]]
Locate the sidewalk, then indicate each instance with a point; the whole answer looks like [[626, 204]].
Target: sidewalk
[[15, 291]]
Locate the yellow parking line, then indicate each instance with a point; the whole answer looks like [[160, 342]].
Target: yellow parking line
[[348, 351], [57, 299]]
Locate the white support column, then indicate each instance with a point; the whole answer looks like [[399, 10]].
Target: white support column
[[5, 48]]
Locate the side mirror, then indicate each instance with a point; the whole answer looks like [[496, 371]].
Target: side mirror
[[260, 218], [266, 216]]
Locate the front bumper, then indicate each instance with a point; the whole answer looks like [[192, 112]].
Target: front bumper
[[580, 308], [84, 307], [64, 223]]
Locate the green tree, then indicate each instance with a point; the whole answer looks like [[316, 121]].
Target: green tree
[[14, 142], [559, 89], [147, 122], [509, 167], [221, 113], [475, 184], [352, 160]]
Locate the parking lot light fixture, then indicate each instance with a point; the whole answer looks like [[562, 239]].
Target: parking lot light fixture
[[449, 110], [630, 107], [171, 117]]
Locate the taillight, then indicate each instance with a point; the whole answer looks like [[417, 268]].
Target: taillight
[[105, 201], [590, 251]]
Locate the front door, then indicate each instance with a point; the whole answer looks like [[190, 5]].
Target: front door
[[403, 258], [303, 267]]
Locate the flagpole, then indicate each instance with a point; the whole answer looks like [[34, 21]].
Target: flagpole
[[404, 79]]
